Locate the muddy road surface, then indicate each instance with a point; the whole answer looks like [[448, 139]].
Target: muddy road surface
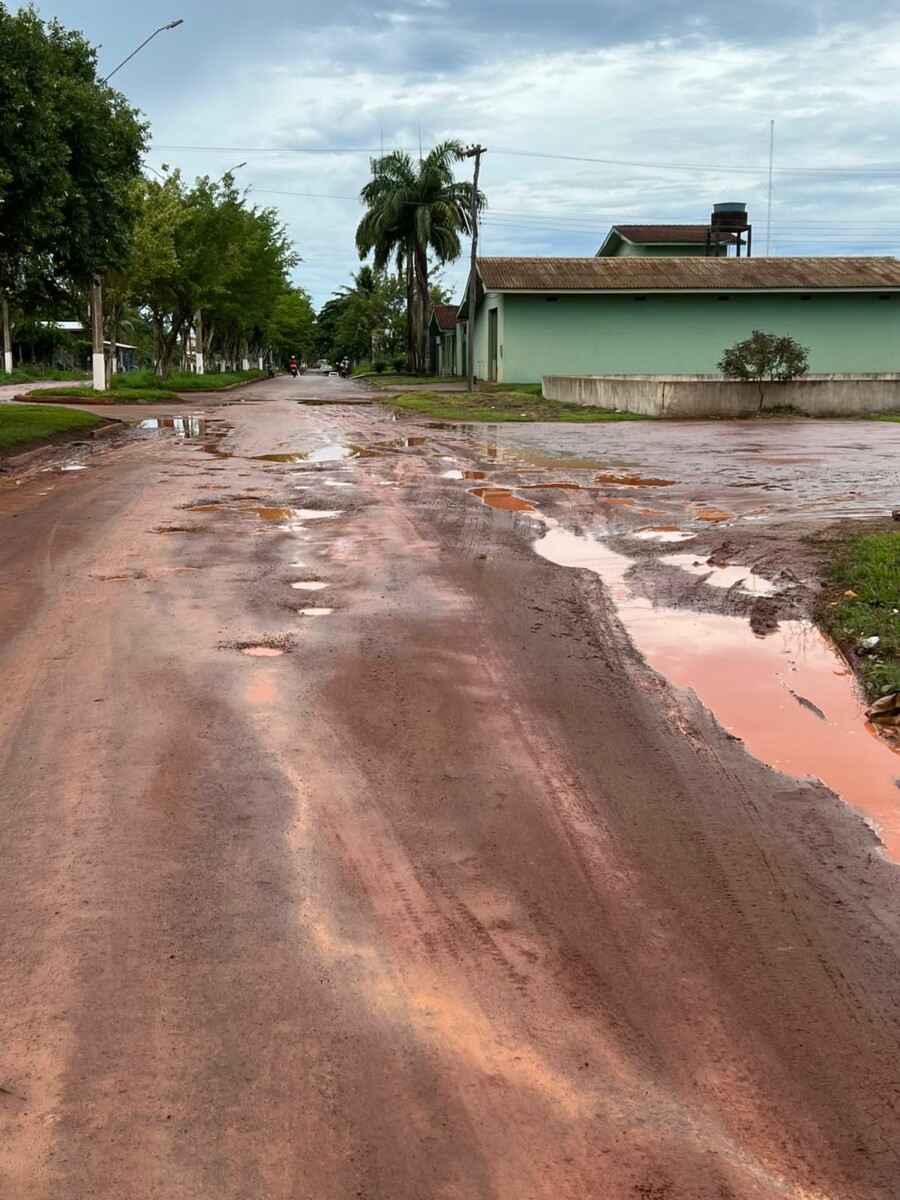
[[350, 848]]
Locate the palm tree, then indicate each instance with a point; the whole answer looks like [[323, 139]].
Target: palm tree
[[413, 209]]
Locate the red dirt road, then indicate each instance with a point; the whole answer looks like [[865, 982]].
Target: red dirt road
[[452, 899]]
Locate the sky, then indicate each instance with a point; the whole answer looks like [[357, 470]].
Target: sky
[[593, 112]]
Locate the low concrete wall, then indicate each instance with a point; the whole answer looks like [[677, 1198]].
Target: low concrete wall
[[686, 396]]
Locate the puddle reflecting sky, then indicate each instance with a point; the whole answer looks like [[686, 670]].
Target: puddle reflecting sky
[[755, 686]]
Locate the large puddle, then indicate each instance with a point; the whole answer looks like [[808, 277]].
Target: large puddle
[[790, 696]]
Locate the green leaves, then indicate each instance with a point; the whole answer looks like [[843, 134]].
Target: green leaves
[[762, 357], [416, 209], [70, 149]]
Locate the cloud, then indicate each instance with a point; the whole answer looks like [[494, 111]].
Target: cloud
[[637, 86]]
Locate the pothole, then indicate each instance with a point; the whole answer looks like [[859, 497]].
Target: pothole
[[270, 645], [315, 612], [309, 585]]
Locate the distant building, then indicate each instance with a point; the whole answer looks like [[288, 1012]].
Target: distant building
[[660, 315], [443, 339], [660, 241]]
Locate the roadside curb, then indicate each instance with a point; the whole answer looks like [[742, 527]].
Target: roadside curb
[[38, 454]]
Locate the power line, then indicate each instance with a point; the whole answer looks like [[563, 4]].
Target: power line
[[874, 170]]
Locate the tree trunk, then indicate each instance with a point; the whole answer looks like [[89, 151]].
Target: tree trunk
[[410, 317], [422, 328]]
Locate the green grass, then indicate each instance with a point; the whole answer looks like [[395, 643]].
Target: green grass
[[24, 423], [500, 406], [143, 396], [40, 372], [390, 379], [882, 417], [143, 381], [869, 566]]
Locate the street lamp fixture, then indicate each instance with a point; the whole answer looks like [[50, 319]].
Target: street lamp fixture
[[162, 29]]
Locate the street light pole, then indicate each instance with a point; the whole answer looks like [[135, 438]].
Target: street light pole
[[162, 29], [98, 358], [476, 153]]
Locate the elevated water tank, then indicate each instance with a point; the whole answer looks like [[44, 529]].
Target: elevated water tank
[[730, 215]]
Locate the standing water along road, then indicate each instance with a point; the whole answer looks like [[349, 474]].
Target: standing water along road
[[350, 847]]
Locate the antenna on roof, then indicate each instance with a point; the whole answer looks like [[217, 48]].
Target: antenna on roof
[[771, 180]]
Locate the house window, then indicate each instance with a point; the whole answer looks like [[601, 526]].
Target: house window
[[723, 297], [806, 297], [885, 296], [639, 298], [552, 299]]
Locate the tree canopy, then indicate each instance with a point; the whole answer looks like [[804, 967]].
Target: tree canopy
[[70, 150], [416, 209], [764, 357]]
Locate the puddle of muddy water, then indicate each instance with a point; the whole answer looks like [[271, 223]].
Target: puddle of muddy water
[[502, 498], [741, 578], [262, 651], [309, 585], [315, 612], [790, 697], [452, 475]]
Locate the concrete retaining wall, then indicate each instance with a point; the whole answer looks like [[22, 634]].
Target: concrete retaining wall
[[686, 396]]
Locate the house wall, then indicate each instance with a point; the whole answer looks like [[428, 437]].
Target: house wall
[[682, 333], [660, 250]]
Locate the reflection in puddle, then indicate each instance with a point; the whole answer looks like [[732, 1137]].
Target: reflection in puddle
[[475, 474], [185, 427], [309, 585], [273, 514], [722, 576], [315, 612], [73, 467], [452, 475], [261, 693], [502, 498], [663, 533], [322, 454], [768, 691], [262, 651]]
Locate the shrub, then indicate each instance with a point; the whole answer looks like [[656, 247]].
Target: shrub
[[380, 365], [762, 358], [399, 363]]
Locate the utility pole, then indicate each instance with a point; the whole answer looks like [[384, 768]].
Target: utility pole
[[771, 181], [476, 153]]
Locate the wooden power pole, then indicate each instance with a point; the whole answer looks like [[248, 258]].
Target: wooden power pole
[[476, 153]]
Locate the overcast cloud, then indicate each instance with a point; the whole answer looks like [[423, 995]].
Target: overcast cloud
[[674, 98]]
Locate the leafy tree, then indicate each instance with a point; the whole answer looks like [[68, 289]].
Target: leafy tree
[[201, 249], [415, 209], [365, 321], [764, 357], [70, 149], [293, 326]]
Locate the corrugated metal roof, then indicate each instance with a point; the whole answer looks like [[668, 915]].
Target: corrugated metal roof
[[445, 315], [649, 235], [686, 274]]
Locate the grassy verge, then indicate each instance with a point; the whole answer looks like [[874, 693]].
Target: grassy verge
[[142, 396], [42, 374], [863, 603], [500, 406], [144, 381], [389, 379], [21, 424]]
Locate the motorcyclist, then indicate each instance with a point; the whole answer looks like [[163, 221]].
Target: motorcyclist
[[293, 365], [345, 367]]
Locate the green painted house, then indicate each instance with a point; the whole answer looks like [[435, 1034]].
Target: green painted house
[[443, 331], [659, 315]]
